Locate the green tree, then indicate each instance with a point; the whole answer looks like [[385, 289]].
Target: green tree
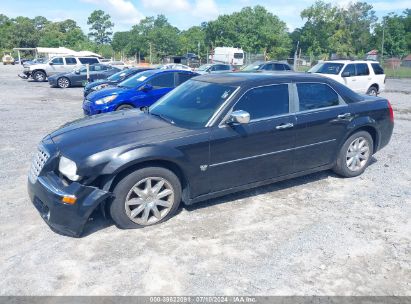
[[395, 43], [191, 39], [100, 27]]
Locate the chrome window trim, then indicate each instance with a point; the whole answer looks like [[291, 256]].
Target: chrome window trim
[[222, 124], [213, 118], [341, 101], [270, 153]]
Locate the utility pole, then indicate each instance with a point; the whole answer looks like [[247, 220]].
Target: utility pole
[[295, 56], [151, 62], [382, 43]]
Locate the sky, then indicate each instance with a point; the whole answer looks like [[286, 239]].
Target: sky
[[180, 13]]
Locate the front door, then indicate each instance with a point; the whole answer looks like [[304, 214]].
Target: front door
[[260, 150], [161, 85], [321, 123]]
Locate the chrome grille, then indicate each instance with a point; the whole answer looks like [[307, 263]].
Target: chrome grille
[[37, 164]]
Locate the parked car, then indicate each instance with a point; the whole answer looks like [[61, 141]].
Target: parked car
[[214, 68], [59, 64], [365, 77], [267, 66], [8, 59], [112, 80], [213, 135], [175, 66], [143, 89], [78, 77]]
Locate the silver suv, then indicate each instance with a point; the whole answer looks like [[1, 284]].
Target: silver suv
[[59, 64]]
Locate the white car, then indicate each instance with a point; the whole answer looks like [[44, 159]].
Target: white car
[[364, 77], [175, 66]]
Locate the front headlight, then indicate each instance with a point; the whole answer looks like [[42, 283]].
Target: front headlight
[[99, 87], [68, 168], [106, 99]]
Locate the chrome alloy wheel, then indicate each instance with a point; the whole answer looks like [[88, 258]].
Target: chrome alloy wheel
[[358, 154], [149, 201], [63, 83]]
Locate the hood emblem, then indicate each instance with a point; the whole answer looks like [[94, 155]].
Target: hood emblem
[[203, 167]]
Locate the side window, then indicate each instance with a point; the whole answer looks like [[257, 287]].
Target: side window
[[71, 61], [89, 60], [278, 67], [286, 67], [163, 81], [316, 96], [57, 61], [226, 68], [350, 68], [362, 69], [378, 70], [265, 101], [183, 77], [268, 67]]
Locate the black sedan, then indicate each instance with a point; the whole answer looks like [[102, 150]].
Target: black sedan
[[276, 66], [78, 77], [112, 80], [213, 135]]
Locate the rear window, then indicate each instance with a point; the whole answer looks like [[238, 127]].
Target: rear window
[[84, 60], [316, 96], [362, 69], [238, 55], [71, 61], [378, 70], [183, 77]]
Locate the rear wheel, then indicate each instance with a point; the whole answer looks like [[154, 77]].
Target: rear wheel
[[355, 155], [39, 76], [63, 82], [124, 107], [373, 91], [145, 197]]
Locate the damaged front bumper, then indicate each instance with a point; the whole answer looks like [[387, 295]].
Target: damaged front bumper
[[47, 192], [24, 75]]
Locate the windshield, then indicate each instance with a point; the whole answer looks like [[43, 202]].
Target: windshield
[[203, 67], [120, 75], [192, 104], [327, 68], [253, 67], [136, 80]]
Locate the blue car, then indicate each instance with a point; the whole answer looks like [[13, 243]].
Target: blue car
[[143, 89]]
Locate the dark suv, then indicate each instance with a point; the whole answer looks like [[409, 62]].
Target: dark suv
[[213, 135]]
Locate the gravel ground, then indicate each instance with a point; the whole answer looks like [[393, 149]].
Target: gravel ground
[[314, 235]]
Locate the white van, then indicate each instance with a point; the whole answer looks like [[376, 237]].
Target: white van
[[228, 55]]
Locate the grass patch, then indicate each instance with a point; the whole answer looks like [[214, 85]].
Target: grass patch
[[401, 72]]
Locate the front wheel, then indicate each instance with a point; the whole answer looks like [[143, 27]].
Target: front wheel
[[39, 76], [124, 107], [145, 197], [355, 155], [63, 82]]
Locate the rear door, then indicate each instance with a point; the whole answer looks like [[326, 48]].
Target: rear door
[[257, 151], [321, 123], [71, 64]]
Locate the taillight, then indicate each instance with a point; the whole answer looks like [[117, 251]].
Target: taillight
[[391, 111]]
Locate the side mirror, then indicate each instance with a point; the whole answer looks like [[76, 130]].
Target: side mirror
[[77, 72], [239, 116], [146, 88], [51, 63], [346, 74]]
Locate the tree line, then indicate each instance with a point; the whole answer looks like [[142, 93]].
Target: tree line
[[349, 31]]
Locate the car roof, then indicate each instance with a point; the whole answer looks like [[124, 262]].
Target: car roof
[[349, 61], [259, 78]]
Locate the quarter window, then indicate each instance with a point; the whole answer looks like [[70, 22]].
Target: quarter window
[[58, 61], [362, 69], [378, 70], [71, 61], [316, 96], [163, 81], [265, 101], [278, 67]]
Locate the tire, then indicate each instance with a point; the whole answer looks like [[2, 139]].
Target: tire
[[372, 91], [63, 82], [39, 76], [124, 107], [355, 155], [132, 207]]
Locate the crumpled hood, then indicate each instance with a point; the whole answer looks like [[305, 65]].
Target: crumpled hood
[[87, 136]]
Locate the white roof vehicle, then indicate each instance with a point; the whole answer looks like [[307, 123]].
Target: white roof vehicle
[[365, 77]]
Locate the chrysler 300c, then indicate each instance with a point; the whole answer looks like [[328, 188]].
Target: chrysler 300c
[[213, 135]]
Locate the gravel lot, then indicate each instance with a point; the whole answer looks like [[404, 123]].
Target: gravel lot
[[315, 235]]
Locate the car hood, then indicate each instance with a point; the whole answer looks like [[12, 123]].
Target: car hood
[[109, 91], [84, 137]]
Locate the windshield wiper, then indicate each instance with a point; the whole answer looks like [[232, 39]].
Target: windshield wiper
[[162, 117]]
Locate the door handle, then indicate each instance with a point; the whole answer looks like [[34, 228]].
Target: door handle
[[345, 115], [284, 126]]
